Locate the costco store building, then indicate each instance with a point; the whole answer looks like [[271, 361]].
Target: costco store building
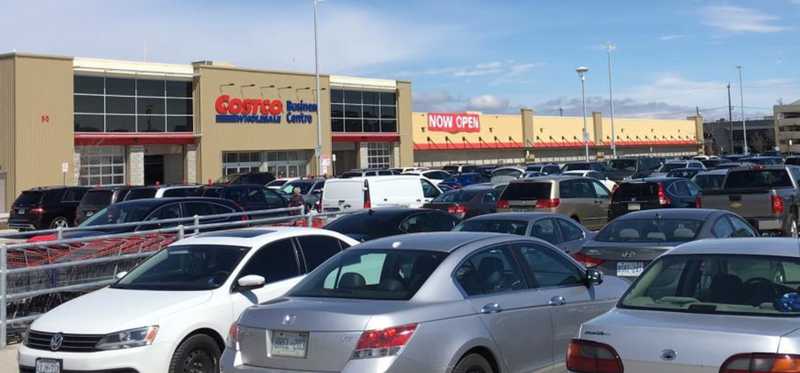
[[87, 121]]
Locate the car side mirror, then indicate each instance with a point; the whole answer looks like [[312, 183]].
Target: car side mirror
[[250, 282], [120, 275], [593, 277]]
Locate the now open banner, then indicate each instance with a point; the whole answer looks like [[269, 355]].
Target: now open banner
[[454, 122]]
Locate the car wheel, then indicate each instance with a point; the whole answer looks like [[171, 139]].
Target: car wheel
[[473, 363], [197, 354], [59, 222]]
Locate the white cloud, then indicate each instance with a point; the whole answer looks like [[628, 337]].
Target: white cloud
[[673, 36], [500, 69], [739, 19], [488, 103], [443, 101]]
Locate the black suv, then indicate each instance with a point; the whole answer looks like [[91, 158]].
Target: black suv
[[97, 199], [250, 197], [260, 178], [46, 207], [654, 193]]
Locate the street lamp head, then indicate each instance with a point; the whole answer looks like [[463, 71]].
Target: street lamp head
[[582, 70]]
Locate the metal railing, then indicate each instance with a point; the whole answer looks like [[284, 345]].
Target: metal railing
[[37, 276]]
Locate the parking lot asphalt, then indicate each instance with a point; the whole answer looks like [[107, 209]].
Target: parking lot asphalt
[[8, 360]]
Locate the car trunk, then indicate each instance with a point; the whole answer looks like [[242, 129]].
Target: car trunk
[[25, 203], [634, 197], [621, 259], [331, 329], [524, 196], [700, 342], [92, 202]]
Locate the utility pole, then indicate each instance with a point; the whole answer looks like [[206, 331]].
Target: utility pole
[[730, 117], [744, 123], [561, 111], [318, 149], [611, 47]]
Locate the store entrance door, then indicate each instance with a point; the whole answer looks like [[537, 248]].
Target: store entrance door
[[153, 169], [346, 160]]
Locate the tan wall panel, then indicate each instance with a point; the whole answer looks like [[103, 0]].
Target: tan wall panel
[[44, 87], [501, 126], [404, 124], [660, 129], [219, 137], [7, 128], [561, 129]]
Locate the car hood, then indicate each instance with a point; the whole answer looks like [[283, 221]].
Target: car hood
[[109, 310]]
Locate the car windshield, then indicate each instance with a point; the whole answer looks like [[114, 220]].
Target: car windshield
[[29, 198], [518, 227], [371, 274], [758, 179], [650, 230], [507, 172], [456, 196], [118, 214], [719, 284], [623, 164], [304, 186], [185, 267], [366, 224], [709, 182], [667, 167], [578, 166]]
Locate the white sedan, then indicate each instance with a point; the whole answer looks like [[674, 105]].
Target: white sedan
[[171, 313], [609, 184]]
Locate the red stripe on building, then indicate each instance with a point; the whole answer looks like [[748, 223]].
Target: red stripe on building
[[363, 137], [90, 138]]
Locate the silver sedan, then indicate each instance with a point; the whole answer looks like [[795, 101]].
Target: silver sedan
[[429, 302], [725, 305]]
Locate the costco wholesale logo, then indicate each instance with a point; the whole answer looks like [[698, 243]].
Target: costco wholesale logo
[[454, 122], [257, 110]]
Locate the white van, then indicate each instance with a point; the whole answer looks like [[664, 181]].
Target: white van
[[372, 192]]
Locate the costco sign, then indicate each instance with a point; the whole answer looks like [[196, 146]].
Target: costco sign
[[454, 122]]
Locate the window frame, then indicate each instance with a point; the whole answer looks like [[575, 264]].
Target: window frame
[[558, 255], [506, 246], [302, 253], [248, 259]]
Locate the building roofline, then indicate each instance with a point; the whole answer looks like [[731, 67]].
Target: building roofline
[[34, 55], [253, 70]]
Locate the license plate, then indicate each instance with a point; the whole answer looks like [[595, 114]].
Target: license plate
[[634, 206], [48, 366], [289, 344], [630, 269], [21, 211]]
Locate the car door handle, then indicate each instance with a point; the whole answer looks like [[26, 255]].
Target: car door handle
[[491, 308], [557, 301]]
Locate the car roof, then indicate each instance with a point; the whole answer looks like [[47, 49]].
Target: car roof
[[525, 216], [672, 213], [255, 237], [54, 187], [741, 246], [559, 177], [431, 241], [160, 201], [721, 171]]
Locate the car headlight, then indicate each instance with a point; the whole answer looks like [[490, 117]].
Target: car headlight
[[128, 338]]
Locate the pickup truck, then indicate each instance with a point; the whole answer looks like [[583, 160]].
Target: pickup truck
[[766, 196]]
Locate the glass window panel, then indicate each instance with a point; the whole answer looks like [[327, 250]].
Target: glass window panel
[[88, 123], [177, 106], [88, 104], [179, 124], [146, 87], [352, 111], [118, 169], [120, 123], [88, 84], [370, 112], [120, 86], [281, 156], [179, 88], [150, 106], [337, 95], [231, 157], [388, 112], [353, 125], [119, 179], [337, 125], [150, 123], [370, 98], [372, 125], [388, 98], [120, 105], [352, 97], [337, 111], [388, 126]]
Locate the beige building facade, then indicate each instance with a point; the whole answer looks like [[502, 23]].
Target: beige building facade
[[787, 127]]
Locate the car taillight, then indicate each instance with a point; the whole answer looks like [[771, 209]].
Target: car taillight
[[698, 202], [761, 363], [458, 210], [663, 200], [588, 261], [384, 342], [777, 203], [592, 357], [233, 336], [503, 204], [37, 211], [548, 203]]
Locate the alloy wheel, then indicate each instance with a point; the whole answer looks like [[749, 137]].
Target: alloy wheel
[[59, 223], [198, 361]]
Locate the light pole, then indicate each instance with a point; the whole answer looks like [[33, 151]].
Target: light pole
[[611, 47], [582, 70], [318, 149], [744, 122]]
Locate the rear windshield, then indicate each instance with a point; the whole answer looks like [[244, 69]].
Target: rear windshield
[[671, 166], [636, 191], [507, 172], [496, 226], [371, 274], [348, 175], [578, 166], [140, 193], [364, 224], [527, 191], [758, 179], [650, 230], [450, 169], [792, 161], [29, 198], [623, 164], [97, 198], [456, 196], [719, 284], [709, 182]]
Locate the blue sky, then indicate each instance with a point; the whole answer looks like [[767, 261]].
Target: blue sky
[[490, 56]]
